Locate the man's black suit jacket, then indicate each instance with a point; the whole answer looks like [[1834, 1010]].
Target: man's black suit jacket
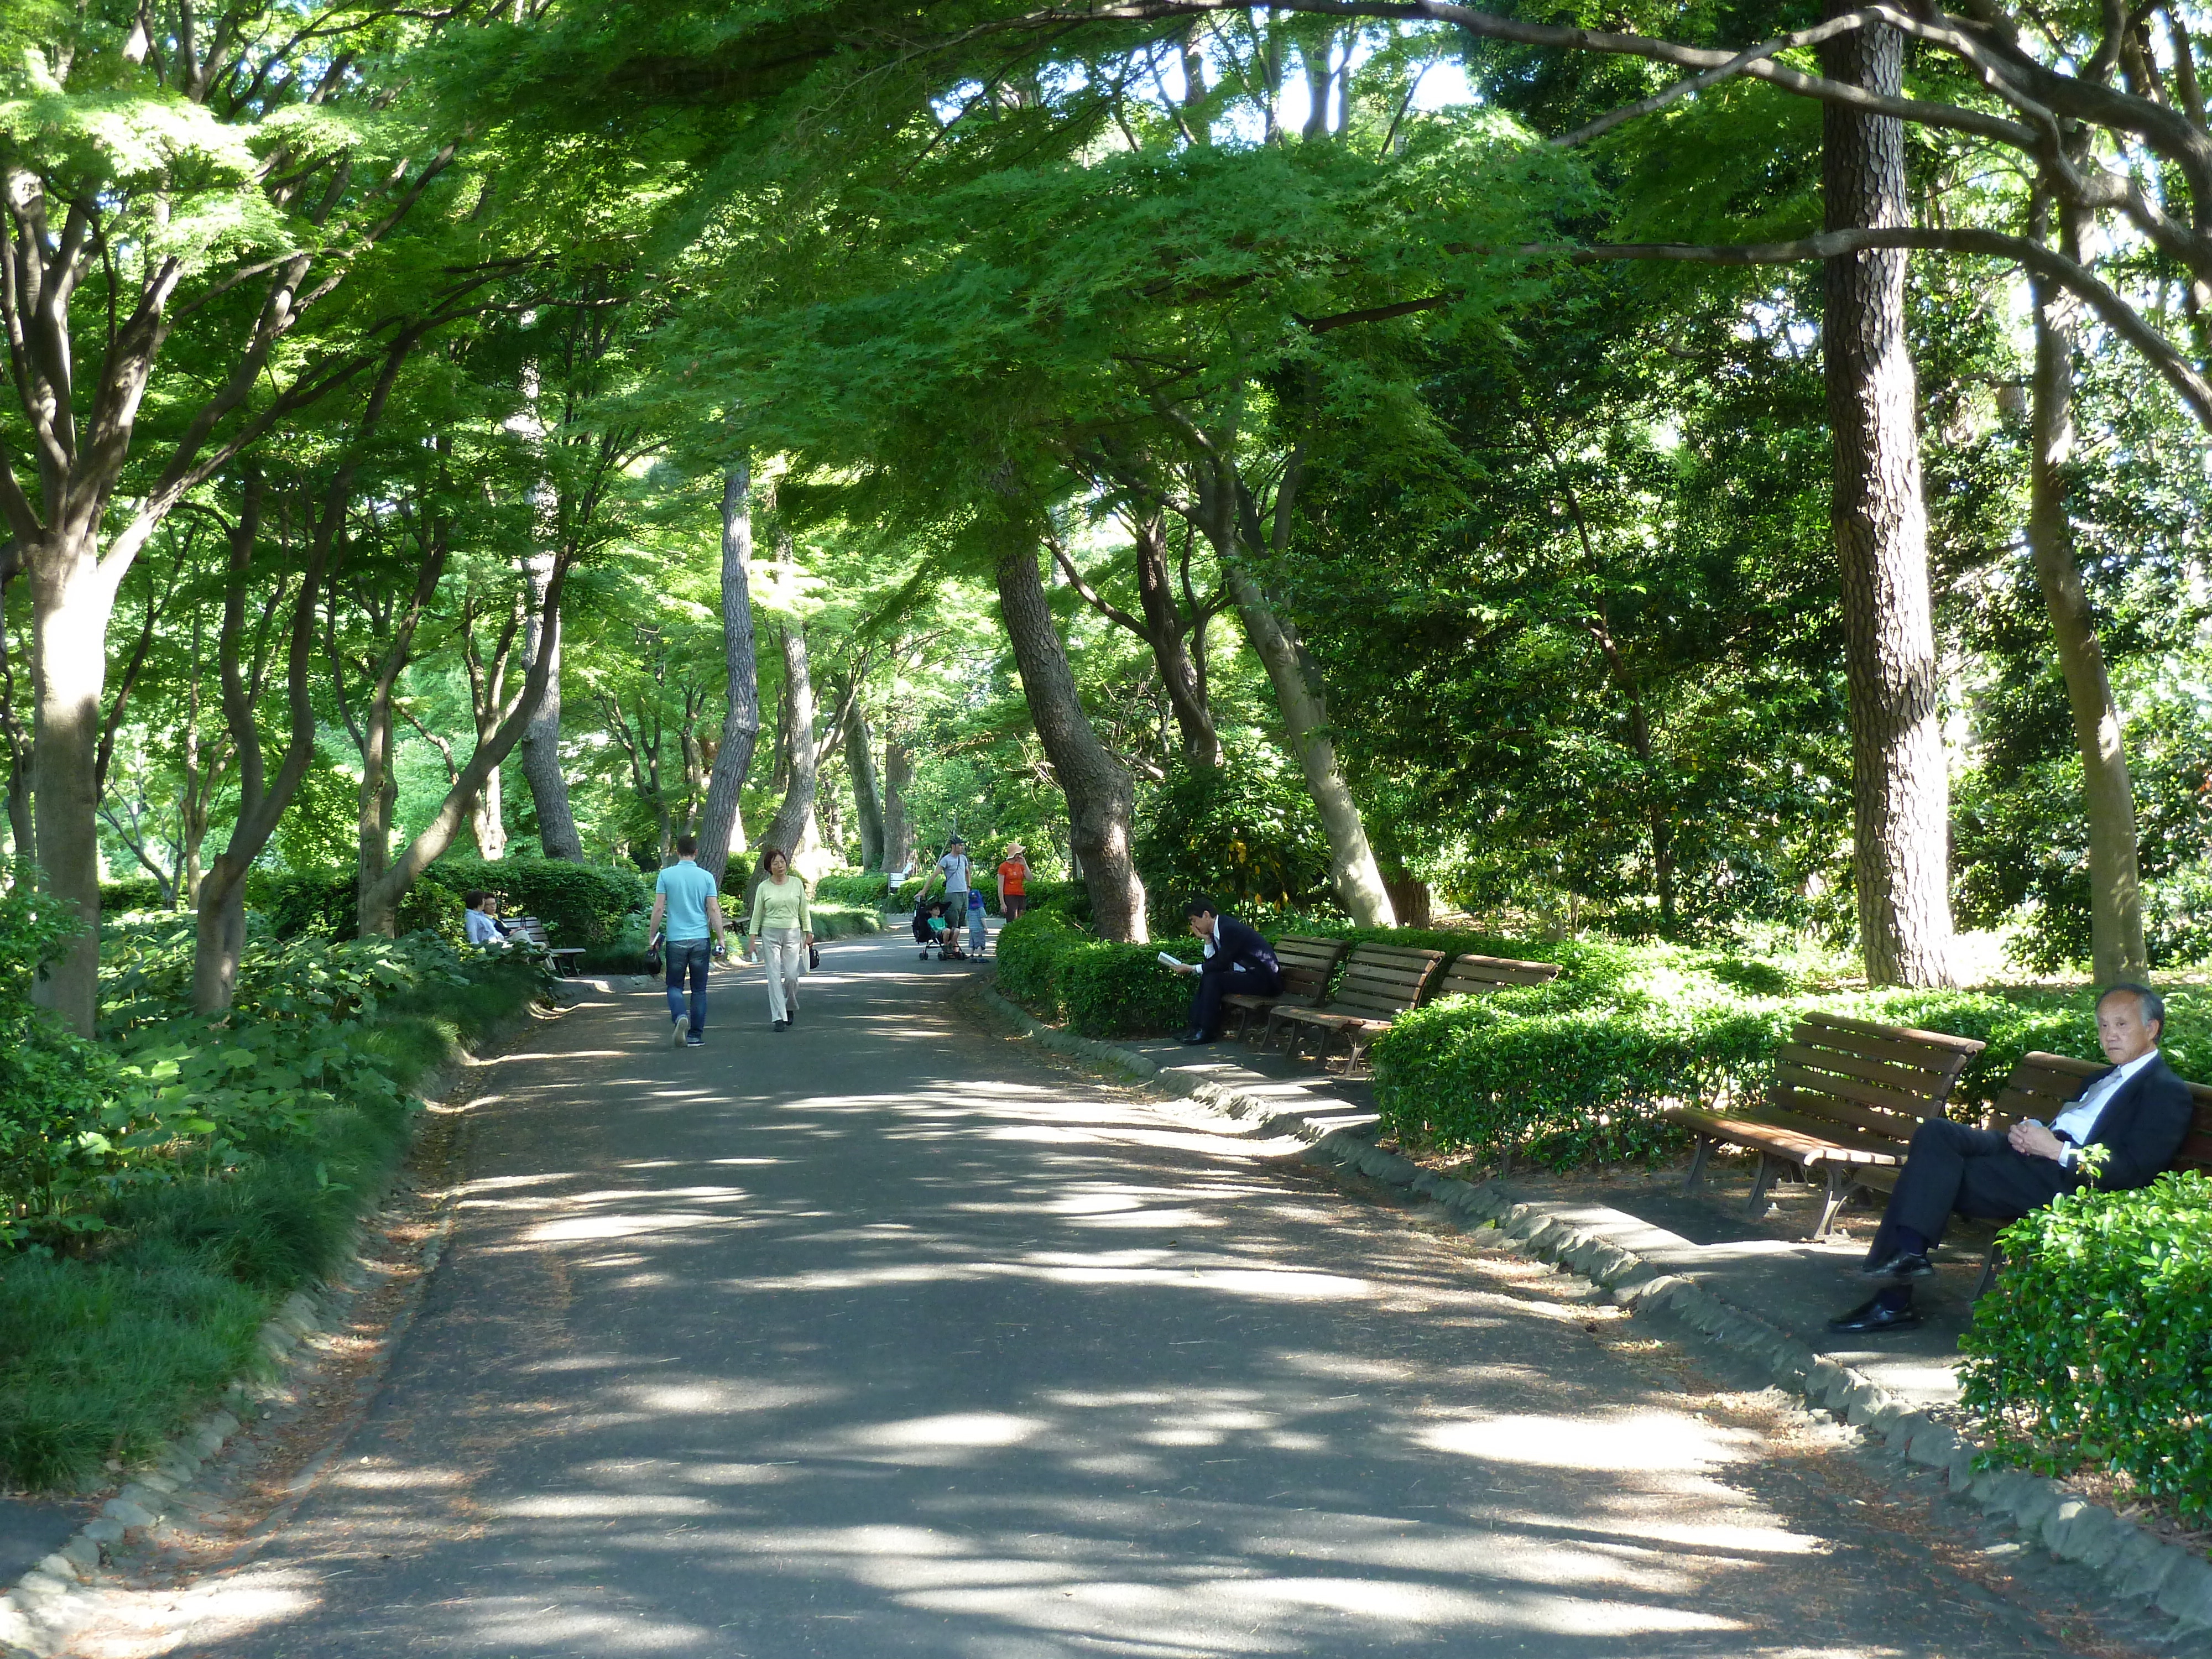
[[2144, 1125], [1238, 944]]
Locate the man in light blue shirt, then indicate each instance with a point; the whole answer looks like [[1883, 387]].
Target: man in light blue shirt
[[686, 897], [478, 924]]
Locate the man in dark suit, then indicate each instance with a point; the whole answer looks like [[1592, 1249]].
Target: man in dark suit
[[1238, 961], [2137, 1115]]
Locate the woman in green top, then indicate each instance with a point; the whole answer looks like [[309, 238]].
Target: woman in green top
[[782, 929]]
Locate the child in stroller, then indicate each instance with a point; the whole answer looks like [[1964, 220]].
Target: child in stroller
[[932, 932]]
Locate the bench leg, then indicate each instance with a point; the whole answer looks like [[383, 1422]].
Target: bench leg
[[1757, 1206], [1696, 1178], [1990, 1263], [1839, 1189]]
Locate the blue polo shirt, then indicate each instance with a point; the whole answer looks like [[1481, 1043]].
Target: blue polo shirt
[[687, 888]]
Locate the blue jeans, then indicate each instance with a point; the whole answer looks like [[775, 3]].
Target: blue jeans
[[689, 957]]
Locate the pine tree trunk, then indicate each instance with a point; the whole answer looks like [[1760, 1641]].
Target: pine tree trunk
[[1101, 798], [719, 827], [1354, 872], [898, 830], [541, 743], [1900, 793], [867, 801], [2117, 949]]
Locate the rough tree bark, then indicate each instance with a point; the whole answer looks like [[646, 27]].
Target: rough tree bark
[[2117, 949], [541, 745], [262, 800], [898, 829], [860, 762], [1101, 797], [1900, 794], [719, 824], [1296, 678]]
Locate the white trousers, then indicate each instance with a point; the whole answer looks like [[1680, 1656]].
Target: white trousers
[[783, 952]]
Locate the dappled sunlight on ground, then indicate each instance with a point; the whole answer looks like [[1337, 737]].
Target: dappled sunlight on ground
[[874, 1338]]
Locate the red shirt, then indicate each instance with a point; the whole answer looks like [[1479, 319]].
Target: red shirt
[[1012, 873]]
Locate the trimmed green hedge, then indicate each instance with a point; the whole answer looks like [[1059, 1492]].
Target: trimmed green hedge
[[855, 887], [1583, 1069], [323, 902], [1063, 974], [2094, 1346], [582, 904]]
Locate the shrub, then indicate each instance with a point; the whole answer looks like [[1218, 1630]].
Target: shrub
[[1098, 989], [855, 887], [132, 893], [1244, 833], [582, 904], [1506, 1075], [221, 1162], [2094, 1346]]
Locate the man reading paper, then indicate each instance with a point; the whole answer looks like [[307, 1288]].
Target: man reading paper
[[1238, 962]]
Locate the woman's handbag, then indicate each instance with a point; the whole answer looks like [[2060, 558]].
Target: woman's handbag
[[813, 958]]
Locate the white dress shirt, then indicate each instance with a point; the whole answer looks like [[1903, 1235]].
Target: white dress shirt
[[2079, 1122]]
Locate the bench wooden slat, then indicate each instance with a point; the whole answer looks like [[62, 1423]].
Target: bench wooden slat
[[1473, 975], [1806, 1141], [1849, 1096], [1380, 982], [1847, 1119], [1909, 1079], [1897, 1042], [1895, 1103]]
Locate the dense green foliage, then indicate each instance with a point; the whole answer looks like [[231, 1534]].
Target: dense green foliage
[[175, 1178], [2093, 1348], [1062, 973]]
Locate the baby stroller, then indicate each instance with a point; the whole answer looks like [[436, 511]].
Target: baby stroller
[[933, 932]]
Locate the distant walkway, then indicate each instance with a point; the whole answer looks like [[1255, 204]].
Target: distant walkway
[[879, 1337]]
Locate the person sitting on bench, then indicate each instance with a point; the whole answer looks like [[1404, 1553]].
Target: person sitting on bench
[[2138, 1114], [1238, 962]]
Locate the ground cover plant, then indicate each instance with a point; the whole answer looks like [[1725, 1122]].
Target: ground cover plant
[[163, 1186]]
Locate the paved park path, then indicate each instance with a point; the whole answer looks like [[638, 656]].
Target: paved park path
[[882, 1337]]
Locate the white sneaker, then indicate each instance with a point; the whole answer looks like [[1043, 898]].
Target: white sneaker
[[676, 1032]]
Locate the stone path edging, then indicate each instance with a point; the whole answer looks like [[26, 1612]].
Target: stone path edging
[[45, 1607], [2133, 1560]]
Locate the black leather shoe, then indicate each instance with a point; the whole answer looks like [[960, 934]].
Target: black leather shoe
[[1192, 1039], [1872, 1317], [1905, 1264]]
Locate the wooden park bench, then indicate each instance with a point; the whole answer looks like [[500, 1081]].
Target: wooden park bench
[[1478, 976], [2039, 1087], [1847, 1096], [567, 958], [1380, 982], [1306, 963]]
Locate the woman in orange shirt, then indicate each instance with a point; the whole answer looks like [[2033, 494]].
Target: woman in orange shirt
[[1013, 876]]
